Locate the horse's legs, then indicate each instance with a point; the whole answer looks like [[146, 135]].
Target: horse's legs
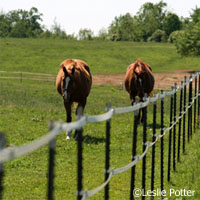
[[68, 117], [141, 119], [132, 102], [132, 99], [82, 105]]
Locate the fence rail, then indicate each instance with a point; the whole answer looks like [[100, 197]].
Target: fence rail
[[10, 153]]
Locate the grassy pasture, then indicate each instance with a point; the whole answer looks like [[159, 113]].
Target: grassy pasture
[[26, 108], [45, 56]]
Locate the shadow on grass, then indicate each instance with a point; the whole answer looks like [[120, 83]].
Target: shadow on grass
[[93, 140], [151, 125]]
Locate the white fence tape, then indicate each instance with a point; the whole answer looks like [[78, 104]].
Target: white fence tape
[[11, 153]]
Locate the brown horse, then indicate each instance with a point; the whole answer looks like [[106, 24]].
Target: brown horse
[[139, 81], [73, 82]]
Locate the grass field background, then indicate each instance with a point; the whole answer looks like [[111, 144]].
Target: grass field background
[[45, 56], [26, 108]]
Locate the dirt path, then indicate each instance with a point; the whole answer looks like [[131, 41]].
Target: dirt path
[[162, 80]]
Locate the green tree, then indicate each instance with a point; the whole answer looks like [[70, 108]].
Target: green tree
[[20, 30], [57, 32], [175, 35], [189, 42], [122, 28], [21, 23], [85, 34], [150, 18], [158, 36], [4, 25], [171, 23], [103, 34], [195, 16]]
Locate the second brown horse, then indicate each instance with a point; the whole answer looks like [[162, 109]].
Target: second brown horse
[[139, 81], [73, 82]]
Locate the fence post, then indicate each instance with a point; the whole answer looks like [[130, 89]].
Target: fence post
[[107, 152], [189, 110], [174, 130], [79, 156], [153, 148], [191, 107], [199, 102], [52, 146], [134, 147], [162, 145], [144, 113], [170, 136], [180, 120], [2, 146], [195, 102], [184, 110]]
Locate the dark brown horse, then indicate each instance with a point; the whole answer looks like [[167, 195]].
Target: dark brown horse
[[73, 82], [139, 81]]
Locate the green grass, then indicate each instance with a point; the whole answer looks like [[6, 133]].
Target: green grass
[[25, 118], [40, 55], [26, 108]]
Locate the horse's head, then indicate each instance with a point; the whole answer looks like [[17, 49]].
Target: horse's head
[[139, 71], [141, 68], [67, 81]]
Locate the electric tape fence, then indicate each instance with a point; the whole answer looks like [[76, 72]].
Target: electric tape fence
[[10, 153]]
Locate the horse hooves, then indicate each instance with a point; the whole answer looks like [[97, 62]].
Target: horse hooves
[[67, 138], [68, 135]]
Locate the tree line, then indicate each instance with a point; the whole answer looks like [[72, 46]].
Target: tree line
[[153, 22]]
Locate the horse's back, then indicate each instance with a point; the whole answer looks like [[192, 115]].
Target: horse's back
[[132, 73], [81, 75]]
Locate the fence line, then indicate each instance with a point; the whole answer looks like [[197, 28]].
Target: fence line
[[30, 73], [148, 144], [34, 76], [11, 153]]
